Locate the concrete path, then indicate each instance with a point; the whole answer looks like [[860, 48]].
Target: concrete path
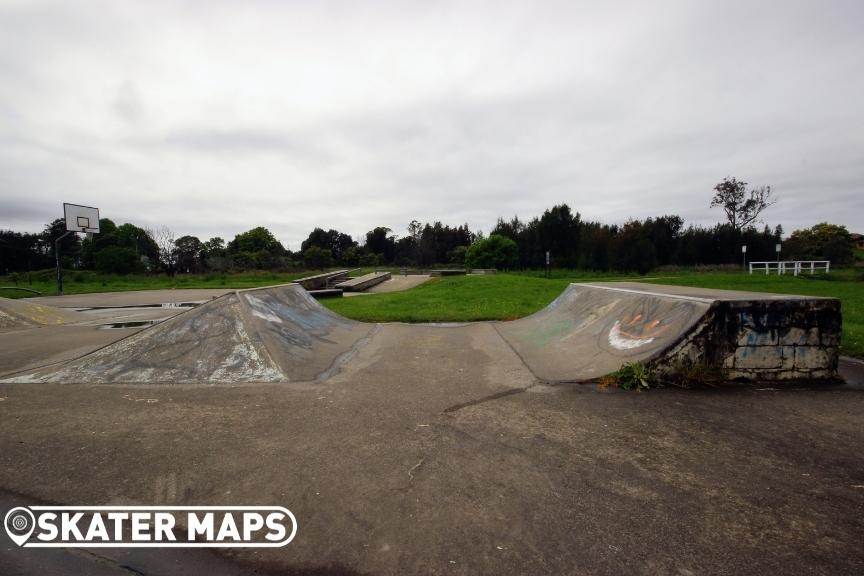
[[452, 470]]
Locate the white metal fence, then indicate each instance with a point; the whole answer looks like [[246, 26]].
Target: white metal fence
[[795, 266]]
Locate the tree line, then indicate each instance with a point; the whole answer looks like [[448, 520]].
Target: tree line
[[636, 245]]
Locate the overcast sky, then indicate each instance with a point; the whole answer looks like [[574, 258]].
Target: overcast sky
[[214, 117]]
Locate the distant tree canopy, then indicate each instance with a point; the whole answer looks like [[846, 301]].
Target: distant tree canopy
[[214, 247], [21, 251], [380, 241], [258, 249], [188, 253], [636, 245], [317, 257], [117, 260], [572, 242], [256, 240], [823, 241], [120, 249], [70, 246], [333, 240], [496, 251]]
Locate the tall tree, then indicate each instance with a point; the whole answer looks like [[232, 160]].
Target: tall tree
[[380, 241], [188, 253], [742, 206]]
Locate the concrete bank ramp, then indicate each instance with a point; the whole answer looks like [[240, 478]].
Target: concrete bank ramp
[[16, 313], [274, 334], [281, 334]]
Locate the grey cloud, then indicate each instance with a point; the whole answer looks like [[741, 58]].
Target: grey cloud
[[128, 103], [217, 120]]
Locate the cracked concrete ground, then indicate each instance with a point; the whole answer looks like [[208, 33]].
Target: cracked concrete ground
[[447, 457]]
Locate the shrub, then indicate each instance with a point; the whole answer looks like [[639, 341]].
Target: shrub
[[635, 375]]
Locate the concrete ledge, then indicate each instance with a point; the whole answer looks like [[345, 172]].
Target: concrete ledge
[[447, 272], [319, 281], [364, 282]]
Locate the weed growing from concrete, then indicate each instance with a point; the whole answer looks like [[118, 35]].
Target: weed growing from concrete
[[635, 376]]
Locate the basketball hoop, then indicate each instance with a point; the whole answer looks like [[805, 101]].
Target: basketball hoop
[[79, 219]]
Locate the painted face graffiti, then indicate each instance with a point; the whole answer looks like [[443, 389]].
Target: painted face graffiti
[[634, 331]]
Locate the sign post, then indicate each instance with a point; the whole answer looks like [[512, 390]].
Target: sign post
[[777, 249], [548, 267], [78, 219], [744, 257]]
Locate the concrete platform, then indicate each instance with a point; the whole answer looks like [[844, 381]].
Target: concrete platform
[[361, 283]]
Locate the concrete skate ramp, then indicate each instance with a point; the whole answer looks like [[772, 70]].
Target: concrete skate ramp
[[589, 331], [275, 334], [23, 314], [281, 334]]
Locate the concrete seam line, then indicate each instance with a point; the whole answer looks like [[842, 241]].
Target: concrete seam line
[[516, 352]]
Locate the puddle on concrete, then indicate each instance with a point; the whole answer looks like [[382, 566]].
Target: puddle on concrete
[[135, 324]]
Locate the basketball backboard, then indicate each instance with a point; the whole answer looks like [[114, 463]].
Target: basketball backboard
[[81, 218]]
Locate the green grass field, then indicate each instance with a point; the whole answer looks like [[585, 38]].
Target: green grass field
[[84, 282], [87, 281]]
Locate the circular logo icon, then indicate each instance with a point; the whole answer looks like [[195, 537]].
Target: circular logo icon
[[19, 523]]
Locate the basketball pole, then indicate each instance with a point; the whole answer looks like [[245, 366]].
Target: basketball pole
[[57, 256]]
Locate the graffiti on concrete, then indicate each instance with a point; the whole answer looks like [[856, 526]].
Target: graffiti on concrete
[[635, 331]]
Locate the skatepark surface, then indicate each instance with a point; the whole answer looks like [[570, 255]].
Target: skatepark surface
[[433, 449], [282, 334]]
